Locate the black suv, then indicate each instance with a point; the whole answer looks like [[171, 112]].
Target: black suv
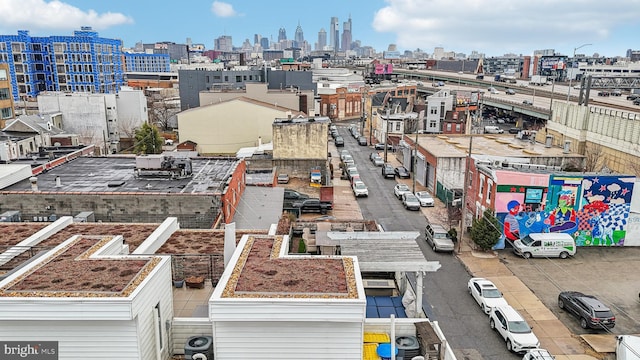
[[589, 310], [388, 171]]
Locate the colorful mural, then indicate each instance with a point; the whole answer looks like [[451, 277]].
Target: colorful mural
[[594, 209]]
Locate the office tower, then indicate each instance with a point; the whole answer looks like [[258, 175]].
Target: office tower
[[282, 34], [322, 39], [334, 34], [256, 39], [223, 43], [264, 43], [83, 62], [346, 35], [298, 37]]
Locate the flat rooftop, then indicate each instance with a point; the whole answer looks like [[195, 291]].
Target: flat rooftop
[[116, 174], [261, 273], [455, 146]]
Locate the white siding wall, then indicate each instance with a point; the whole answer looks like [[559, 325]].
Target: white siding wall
[[87, 339], [288, 340], [157, 291], [132, 107]]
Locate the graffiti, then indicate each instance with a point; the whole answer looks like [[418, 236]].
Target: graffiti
[[593, 209]]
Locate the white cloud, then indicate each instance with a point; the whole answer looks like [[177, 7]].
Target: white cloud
[[512, 26], [54, 15], [586, 184], [614, 187], [595, 198], [223, 9]]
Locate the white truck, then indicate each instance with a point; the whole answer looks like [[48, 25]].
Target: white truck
[[538, 80], [628, 347]]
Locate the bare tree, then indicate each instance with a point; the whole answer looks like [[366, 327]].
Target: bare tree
[[160, 113], [593, 158], [127, 127]]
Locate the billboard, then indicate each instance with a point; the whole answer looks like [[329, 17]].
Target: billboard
[[391, 55], [552, 63]]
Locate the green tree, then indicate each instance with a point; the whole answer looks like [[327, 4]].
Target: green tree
[[148, 140], [485, 231]]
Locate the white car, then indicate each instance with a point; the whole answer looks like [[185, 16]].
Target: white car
[[425, 198], [359, 189], [400, 189], [538, 354], [513, 328], [486, 294], [410, 201]]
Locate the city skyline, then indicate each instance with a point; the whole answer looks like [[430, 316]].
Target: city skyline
[[492, 27]]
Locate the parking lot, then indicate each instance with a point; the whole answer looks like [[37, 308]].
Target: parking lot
[[610, 274]]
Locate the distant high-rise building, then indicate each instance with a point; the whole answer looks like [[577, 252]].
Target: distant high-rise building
[[256, 39], [346, 35], [298, 37], [282, 34], [322, 39], [264, 43], [83, 62], [334, 34], [223, 43]]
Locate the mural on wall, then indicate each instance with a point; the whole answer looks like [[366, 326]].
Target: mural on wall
[[594, 209]]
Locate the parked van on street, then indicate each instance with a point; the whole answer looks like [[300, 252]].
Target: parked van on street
[[545, 245], [490, 129]]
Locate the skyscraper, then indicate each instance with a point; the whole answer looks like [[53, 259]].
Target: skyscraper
[[282, 34], [298, 37], [334, 33], [264, 43], [346, 35], [223, 43], [322, 39]]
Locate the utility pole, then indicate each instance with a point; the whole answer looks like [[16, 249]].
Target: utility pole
[[415, 161], [465, 187], [386, 127]]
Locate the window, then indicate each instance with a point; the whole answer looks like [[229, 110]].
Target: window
[[481, 190], [398, 126], [6, 113], [449, 127], [3, 74], [457, 127], [4, 94], [433, 110]]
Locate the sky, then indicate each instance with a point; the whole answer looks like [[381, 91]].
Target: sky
[[492, 27]]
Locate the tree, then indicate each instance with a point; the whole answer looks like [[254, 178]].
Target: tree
[[594, 158], [148, 140], [485, 231]]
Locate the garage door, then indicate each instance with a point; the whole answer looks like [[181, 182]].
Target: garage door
[[421, 170], [431, 178]]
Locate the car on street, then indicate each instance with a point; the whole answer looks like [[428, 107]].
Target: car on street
[[538, 354], [588, 309], [603, 93], [402, 172], [513, 328], [380, 146], [387, 172], [438, 238], [425, 198], [343, 153], [362, 141], [339, 141], [633, 96], [359, 189], [410, 201], [636, 101], [283, 178], [514, 130], [493, 90], [376, 159], [400, 189], [510, 92], [485, 293], [527, 102]]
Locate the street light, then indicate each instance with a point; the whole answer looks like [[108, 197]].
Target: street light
[[574, 55]]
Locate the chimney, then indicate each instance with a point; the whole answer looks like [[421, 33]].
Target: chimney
[[567, 147], [548, 141], [34, 183], [259, 141]]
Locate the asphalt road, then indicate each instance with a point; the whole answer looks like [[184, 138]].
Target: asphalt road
[[446, 299]]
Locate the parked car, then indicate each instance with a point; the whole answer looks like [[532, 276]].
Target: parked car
[[633, 96], [514, 130], [510, 92], [425, 198], [343, 153], [486, 294], [603, 93], [513, 329], [400, 189], [402, 172], [376, 159], [616, 92], [380, 146], [438, 238], [636, 101], [527, 102], [588, 309], [362, 141], [388, 172], [359, 189], [538, 354], [339, 141], [410, 201], [283, 178]]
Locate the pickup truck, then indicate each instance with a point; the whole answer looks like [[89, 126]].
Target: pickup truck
[[313, 205]]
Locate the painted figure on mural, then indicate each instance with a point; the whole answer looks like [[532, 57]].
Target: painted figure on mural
[[511, 225], [563, 218]]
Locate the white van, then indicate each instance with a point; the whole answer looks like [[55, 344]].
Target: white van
[[545, 245], [490, 129]]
